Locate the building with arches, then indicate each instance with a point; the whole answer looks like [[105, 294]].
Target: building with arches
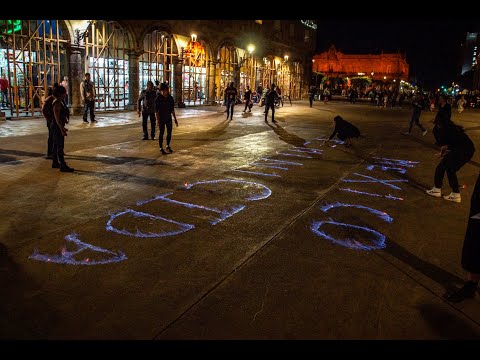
[[197, 58]]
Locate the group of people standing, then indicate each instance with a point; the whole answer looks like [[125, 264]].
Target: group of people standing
[[158, 106]]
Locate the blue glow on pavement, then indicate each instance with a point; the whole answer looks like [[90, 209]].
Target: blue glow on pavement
[[382, 215], [224, 214], [281, 161], [256, 173], [265, 193], [371, 194], [67, 257], [372, 179], [385, 168], [182, 226], [378, 242], [294, 155], [306, 150]]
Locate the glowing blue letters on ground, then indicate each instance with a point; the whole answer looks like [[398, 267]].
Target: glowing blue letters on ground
[[256, 173], [225, 214], [377, 243], [398, 162], [372, 179], [371, 194], [293, 155], [385, 168], [182, 226], [307, 150], [67, 257], [265, 194], [382, 215]]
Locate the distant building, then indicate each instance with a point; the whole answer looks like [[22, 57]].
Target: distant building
[[470, 51], [334, 63]]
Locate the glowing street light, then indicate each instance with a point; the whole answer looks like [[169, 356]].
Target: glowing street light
[[286, 57], [250, 48], [194, 37]]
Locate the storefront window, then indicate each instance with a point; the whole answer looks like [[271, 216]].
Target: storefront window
[[156, 63], [226, 66], [31, 55], [107, 62], [194, 74]]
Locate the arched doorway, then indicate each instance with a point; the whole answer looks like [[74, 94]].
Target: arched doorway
[[157, 60], [268, 72], [248, 72], [32, 58], [296, 82], [227, 61], [106, 59], [284, 77], [194, 74]]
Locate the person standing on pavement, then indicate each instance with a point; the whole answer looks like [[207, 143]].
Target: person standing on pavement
[[4, 85], [418, 105], [64, 83], [247, 97], [59, 130], [146, 107], [231, 98], [87, 95], [470, 251], [270, 102], [164, 109], [311, 94]]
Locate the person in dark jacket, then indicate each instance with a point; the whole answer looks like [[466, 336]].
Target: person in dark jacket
[[344, 131], [146, 107], [456, 150], [59, 131], [164, 109], [470, 251], [418, 105], [270, 102]]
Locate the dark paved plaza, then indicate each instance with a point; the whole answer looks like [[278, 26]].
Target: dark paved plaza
[[249, 230]]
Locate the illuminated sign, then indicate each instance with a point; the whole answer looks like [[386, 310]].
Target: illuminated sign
[[13, 26], [309, 23]]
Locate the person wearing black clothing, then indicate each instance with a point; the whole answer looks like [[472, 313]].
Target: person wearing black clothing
[[87, 94], [164, 109], [418, 105], [470, 251], [246, 97], [231, 97], [59, 130], [344, 130], [146, 106], [270, 102], [311, 94], [47, 110], [456, 150]]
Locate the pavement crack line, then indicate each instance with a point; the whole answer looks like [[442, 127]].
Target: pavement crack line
[[263, 303], [246, 259]]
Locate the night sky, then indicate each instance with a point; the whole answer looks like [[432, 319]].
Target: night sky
[[432, 47]]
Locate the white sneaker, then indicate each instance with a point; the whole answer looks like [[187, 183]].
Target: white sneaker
[[424, 132], [434, 192], [455, 197], [406, 133]]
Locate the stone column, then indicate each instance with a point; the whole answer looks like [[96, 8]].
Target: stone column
[[76, 55], [177, 81], [236, 77], [212, 86], [133, 80]]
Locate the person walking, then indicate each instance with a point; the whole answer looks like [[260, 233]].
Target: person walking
[[418, 105], [461, 104], [456, 150], [270, 102], [231, 97], [247, 97], [311, 94], [59, 131], [87, 95], [164, 109], [146, 107], [470, 251]]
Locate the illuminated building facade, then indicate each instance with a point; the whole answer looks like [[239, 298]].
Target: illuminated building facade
[[198, 58], [384, 67]]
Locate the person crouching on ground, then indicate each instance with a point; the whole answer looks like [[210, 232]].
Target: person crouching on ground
[[344, 131]]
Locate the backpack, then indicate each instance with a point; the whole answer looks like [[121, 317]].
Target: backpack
[[47, 109]]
